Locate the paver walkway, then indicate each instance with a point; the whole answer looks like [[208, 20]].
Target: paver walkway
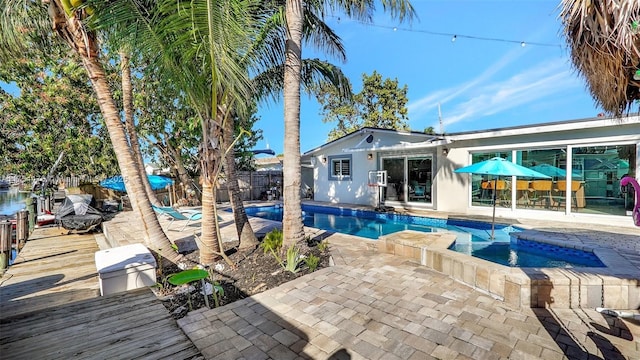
[[378, 306]]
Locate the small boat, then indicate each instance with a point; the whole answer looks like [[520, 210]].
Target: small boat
[[4, 184], [45, 219], [76, 214]]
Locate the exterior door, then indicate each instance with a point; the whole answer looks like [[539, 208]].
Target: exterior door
[[395, 190]]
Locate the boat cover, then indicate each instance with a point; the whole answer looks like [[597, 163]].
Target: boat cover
[[76, 213]]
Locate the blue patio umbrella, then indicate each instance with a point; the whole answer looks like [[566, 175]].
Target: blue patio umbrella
[[116, 183], [497, 167], [553, 171]]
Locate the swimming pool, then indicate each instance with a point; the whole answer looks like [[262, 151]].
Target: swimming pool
[[472, 237]]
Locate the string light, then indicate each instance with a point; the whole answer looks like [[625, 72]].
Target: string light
[[455, 37]]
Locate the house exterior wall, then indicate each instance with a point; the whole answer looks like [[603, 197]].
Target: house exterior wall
[[353, 190], [452, 190]]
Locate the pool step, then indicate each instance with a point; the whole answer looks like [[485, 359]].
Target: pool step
[[519, 287]]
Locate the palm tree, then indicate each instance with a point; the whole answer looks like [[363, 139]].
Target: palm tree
[[266, 59], [127, 105], [196, 46], [293, 229], [604, 37], [21, 24]]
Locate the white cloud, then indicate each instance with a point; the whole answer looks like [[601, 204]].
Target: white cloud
[[481, 97]]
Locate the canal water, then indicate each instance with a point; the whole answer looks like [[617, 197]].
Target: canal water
[[12, 201]]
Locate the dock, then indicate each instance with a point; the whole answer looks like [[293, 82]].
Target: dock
[[52, 310]]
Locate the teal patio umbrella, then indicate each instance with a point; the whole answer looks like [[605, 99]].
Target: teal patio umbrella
[[554, 171], [498, 167], [116, 183]]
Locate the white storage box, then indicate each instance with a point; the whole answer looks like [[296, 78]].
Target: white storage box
[[125, 268]]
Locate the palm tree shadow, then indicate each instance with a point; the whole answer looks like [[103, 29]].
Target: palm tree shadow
[[567, 339], [341, 354]]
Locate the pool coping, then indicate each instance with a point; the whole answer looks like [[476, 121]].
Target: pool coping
[[617, 285]]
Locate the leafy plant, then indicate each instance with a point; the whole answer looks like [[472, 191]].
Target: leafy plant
[[294, 259], [323, 246], [272, 241], [312, 262], [187, 277]]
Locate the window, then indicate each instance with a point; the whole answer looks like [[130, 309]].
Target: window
[[340, 167]]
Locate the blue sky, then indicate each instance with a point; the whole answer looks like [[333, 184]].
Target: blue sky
[[480, 84]]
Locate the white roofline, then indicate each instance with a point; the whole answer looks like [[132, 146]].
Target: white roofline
[[370, 130], [401, 146], [545, 128]]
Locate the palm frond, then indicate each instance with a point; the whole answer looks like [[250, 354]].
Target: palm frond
[[604, 37], [23, 24]]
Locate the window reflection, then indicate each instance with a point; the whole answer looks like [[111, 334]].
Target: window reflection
[[592, 186]]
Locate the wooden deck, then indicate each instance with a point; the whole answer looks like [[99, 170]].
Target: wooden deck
[[51, 308]]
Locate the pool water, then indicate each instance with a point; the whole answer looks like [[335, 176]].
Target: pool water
[[472, 237]]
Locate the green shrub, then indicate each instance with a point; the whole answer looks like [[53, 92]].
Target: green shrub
[[312, 262], [323, 246], [272, 241], [293, 259]]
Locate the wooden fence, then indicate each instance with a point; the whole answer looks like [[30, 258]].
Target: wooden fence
[[256, 185]]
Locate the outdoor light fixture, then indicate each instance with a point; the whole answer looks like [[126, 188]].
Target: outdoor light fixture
[[324, 159], [636, 76], [445, 151], [369, 156]]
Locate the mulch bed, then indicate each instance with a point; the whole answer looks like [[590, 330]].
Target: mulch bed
[[254, 272]]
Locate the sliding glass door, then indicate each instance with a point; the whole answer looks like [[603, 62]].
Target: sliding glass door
[[409, 178]]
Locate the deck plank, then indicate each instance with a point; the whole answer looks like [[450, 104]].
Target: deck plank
[[50, 307]]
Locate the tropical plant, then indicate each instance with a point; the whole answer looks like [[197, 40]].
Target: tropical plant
[[312, 262], [23, 25], [604, 38], [197, 46], [293, 259], [296, 14], [188, 276], [272, 242]]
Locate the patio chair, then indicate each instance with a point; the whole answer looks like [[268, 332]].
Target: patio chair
[[541, 192], [174, 214], [418, 193]]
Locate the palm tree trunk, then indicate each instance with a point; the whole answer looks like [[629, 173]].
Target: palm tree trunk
[[246, 235], [127, 104], [292, 226], [210, 249], [154, 237]]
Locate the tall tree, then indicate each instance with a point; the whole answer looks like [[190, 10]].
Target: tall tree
[[266, 58], [53, 109], [130, 126], [381, 104], [18, 18], [293, 230], [197, 46]]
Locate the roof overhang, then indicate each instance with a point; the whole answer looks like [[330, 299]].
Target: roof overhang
[[403, 145]]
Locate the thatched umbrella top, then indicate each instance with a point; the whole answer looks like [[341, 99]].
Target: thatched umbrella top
[[604, 37]]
